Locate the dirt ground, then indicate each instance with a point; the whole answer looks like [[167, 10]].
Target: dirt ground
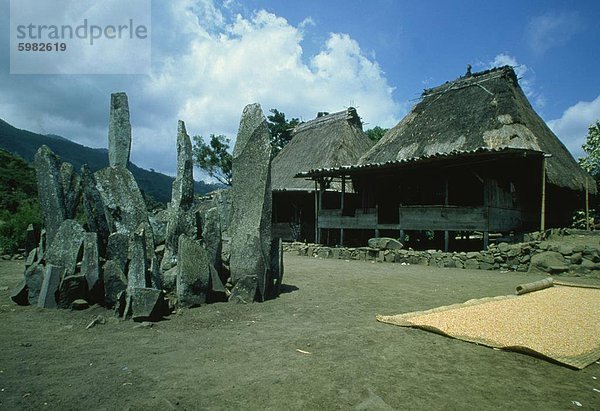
[[229, 356]]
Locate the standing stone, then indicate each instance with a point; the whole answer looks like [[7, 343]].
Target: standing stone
[[124, 206], [117, 249], [52, 202], [181, 219], [66, 250], [182, 195], [114, 282], [31, 239], [119, 131], [224, 203], [193, 272], [251, 222], [93, 208], [49, 290], [211, 235], [71, 186], [136, 274], [146, 304], [90, 265], [34, 276]]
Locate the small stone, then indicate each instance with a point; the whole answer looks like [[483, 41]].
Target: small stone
[[80, 304]]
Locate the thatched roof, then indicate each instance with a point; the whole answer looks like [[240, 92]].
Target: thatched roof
[[331, 140], [438, 160], [484, 110]]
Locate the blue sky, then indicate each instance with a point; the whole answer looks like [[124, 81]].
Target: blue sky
[[211, 58]]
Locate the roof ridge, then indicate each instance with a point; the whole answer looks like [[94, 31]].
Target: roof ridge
[[474, 78]]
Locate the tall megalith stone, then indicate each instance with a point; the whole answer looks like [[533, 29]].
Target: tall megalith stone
[[119, 131], [181, 218], [183, 187], [58, 189], [250, 228]]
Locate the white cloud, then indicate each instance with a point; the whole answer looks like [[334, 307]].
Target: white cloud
[[208, 62], [572, 126], [525, 75], [551, 29], [230, 63]]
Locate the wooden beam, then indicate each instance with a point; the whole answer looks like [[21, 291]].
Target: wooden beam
[[316, 213], [543, 205]]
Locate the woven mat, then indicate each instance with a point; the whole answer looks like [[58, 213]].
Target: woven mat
[[560, 324]]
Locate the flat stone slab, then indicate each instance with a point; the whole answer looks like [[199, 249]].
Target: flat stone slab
[[146, 304], [49, 290], [193, 272]]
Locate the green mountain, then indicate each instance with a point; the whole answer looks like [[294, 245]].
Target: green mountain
[[25, 144]]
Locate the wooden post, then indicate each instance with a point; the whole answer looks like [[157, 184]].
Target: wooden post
[[316, 213], [321, 189], [446, 232], [587, 204], [543, 205], [486, 240], [343, 194]]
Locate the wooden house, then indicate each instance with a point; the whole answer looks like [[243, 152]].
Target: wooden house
[[330, 140], [471, 156]]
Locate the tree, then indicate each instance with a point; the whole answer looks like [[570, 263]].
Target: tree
[[591, 163], [214, 157], [281, 129], [376, 133]]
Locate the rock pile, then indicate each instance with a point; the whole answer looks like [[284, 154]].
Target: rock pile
[[142, 264], [553, 252]]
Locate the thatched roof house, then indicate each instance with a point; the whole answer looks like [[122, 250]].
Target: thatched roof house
[[472, 155], [330, 140], [483, 110]]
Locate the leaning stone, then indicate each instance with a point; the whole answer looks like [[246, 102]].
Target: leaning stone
[[251, 221], [124, 206], [548, 262], [71, 288], [146, 304], [385, 243], [244, 290], [50, 192], [32, 257], [34, 276], [193, 272], [66, 249], [119, 131], [94, 208], [20, 294], [114, 282], [49, 290], [71, 186]]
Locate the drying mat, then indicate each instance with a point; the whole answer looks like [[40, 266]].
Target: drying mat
[[561, 323]]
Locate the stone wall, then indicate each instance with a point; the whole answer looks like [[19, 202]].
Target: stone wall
[[551, 252]]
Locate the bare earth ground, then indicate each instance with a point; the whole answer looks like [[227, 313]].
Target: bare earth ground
[[228, 356]]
